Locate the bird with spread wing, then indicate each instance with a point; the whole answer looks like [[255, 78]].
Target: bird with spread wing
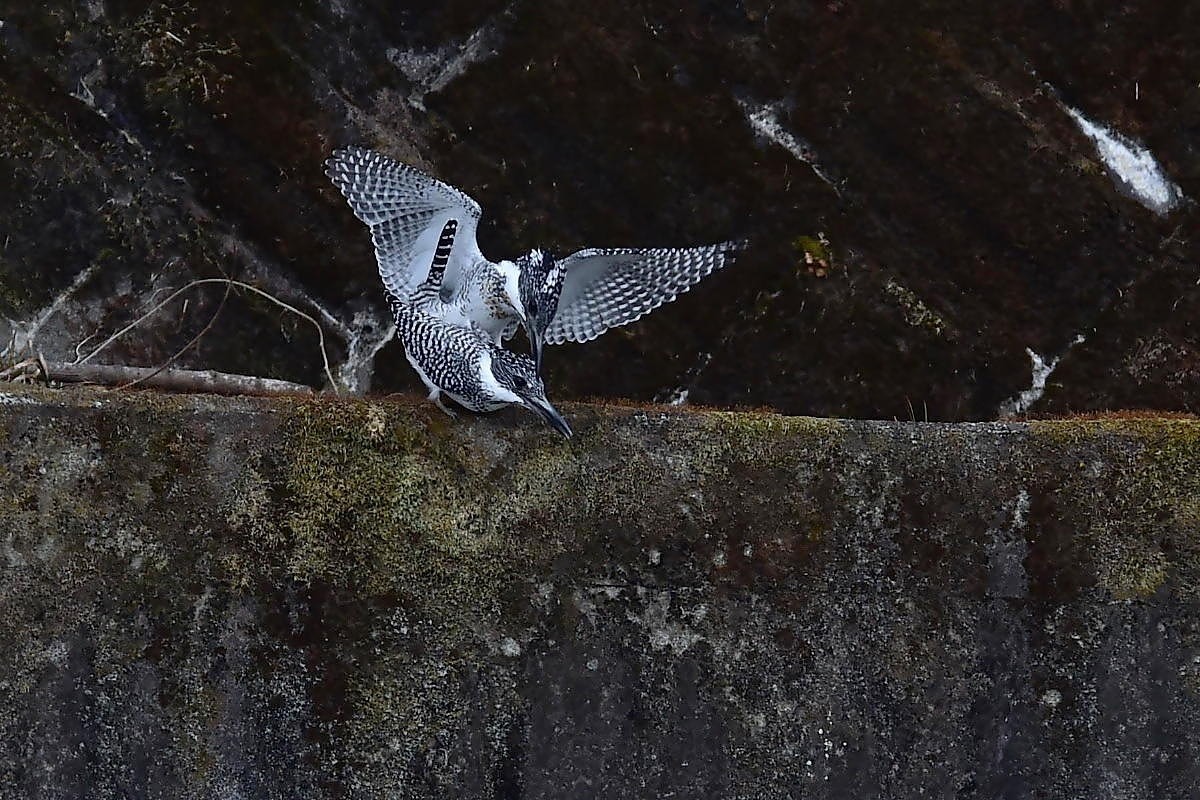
[[424, 234]]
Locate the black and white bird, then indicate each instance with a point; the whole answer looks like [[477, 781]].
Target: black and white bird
[[464, 363], [424, 231]]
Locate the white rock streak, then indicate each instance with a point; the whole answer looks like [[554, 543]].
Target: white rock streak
[[25, 333], [1133, 167], [431, 71], [1041, 371], [764, 120], [86, 96], [679, 395], [364, 338]]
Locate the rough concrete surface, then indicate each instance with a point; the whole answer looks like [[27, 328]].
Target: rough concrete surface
[[213, 598]]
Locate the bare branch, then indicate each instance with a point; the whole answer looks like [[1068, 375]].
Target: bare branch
[[229, 282], [363, 337], [275, 279], [191, 341], [17, 370], [179, 380]]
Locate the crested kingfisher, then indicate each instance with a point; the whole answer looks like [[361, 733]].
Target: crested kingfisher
[[424, 235]]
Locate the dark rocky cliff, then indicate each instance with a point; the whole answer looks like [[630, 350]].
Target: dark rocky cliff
[[957, 213], [925, 194], [208, 598]]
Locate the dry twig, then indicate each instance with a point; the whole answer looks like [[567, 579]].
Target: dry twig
[[227, 282], [191, 341], [179, 380], [18, 370]]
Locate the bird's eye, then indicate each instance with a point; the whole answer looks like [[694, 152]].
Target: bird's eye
[[520, 383]]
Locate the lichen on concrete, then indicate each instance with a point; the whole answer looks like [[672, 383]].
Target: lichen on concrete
[[321, 597], [378, 499], [1160, 460]]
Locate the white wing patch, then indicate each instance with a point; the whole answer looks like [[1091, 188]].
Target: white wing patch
[[608, 288], [493, 387], [406, 211]]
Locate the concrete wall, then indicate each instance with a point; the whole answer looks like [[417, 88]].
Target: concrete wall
[[205, 598]]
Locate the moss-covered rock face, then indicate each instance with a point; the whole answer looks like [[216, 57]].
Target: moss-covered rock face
[[317, 598], [956, 214]]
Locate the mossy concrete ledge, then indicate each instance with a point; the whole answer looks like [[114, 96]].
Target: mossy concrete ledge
[[214, 598]]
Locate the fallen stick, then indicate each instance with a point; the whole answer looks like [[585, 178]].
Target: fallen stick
[[177, 380], [227, 282]]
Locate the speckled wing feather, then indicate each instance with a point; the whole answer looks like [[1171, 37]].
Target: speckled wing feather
[[406, 211], [604, 289]]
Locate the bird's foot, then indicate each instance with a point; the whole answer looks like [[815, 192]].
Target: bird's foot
[[436, 397]]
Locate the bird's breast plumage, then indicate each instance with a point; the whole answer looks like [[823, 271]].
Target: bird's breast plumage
[[481, 299]]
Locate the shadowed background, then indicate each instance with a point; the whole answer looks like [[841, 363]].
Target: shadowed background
[[922, 206]]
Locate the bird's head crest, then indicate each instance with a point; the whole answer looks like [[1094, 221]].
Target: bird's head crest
[[517, 376]]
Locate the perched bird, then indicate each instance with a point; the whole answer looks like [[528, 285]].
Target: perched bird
[[464, 363], [450, 352], [424, 231]]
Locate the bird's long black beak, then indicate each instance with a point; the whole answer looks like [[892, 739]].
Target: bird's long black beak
[[549, 413]]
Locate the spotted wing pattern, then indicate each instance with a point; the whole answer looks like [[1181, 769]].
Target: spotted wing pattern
[[604, 289], [407, 212]]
